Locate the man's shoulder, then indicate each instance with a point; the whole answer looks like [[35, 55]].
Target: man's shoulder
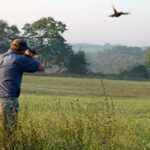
[[1, 56], [11, 56], [22, 58]]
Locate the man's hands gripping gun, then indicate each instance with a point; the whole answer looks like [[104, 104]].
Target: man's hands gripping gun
[[31, 53]]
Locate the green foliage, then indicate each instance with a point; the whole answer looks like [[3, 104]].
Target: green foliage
[[56, 54], [78, 63], [47, 34], [7, 34], [136, 72], [115, 60], [146, 60]]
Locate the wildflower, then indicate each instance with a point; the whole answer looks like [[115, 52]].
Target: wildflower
[[59, 102], [102, 142], [90, 116], [53, 121]]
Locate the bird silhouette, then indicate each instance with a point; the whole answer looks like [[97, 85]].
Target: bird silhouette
[[118, 14]]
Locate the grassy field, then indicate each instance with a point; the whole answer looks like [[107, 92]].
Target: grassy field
[[82, 114]]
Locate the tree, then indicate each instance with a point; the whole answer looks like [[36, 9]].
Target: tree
[[78, 63], [63, 56], [146, 61], [47, 34], [137, 72], [3, 36], [116, 59], [13, 32], [7, 34]]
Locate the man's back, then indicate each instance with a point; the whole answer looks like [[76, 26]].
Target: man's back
[[12, 66]]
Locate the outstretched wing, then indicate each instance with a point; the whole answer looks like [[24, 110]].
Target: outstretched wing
[[125, 13], [115, 11]]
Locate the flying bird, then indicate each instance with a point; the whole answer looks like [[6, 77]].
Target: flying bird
[[118, 14]]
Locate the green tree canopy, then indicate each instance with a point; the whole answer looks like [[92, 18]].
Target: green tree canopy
[[7, 34], [146, 61], [78, 63], [47, 34], [137, 72]]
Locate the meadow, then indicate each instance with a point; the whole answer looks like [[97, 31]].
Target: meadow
[[58, 113]]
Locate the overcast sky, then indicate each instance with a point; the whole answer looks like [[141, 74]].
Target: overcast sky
[[87, 20]]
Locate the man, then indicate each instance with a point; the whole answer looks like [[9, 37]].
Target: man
[[13, 64]]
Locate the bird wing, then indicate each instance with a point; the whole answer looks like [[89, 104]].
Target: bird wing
[[115, 11], [124, 13]]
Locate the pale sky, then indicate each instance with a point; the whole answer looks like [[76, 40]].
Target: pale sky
[[87, 20]]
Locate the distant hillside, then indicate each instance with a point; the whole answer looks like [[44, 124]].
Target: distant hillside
[[95, 47], [91, 47], [111, 58], [115, 60]]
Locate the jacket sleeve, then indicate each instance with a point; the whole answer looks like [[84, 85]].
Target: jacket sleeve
[[28, 65]]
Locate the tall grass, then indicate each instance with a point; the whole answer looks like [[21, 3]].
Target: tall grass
[[84, 128], [89, 128]]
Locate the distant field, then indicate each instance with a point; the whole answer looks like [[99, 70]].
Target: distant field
[[85, 87], [129, 96], [81, 114]]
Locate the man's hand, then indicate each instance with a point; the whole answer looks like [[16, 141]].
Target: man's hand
[[29, 54], [41, 68]]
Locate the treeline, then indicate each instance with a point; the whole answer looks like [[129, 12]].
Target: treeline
[[116, 59], [46, 34], [123, 63]]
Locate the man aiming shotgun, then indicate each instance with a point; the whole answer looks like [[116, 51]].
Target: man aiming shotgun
[[17, 60]]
